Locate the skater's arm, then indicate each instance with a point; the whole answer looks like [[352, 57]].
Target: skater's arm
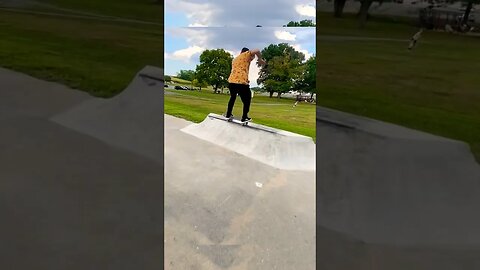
[[256, 52]]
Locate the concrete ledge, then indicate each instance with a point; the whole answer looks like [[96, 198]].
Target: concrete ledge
[[277, 148]]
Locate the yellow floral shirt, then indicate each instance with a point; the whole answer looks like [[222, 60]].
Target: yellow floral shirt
[[240, 67]]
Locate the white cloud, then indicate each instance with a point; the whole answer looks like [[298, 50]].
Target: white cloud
[[232, 53], [306, 10], [193, 35], [184, 54], [253, 73], [284, 35], [212, 13], [298, 47], [199, 13]]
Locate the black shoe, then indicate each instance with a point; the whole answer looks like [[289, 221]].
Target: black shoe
[[248, 119], [230, 118]]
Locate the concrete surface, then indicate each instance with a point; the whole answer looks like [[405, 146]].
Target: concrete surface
[[132, 120], [226, 211], [82, 187], [69, 200], [394, 198], [277, 148]]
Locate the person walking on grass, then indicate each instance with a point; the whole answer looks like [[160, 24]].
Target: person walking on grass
[[414, 39], [238, 82]]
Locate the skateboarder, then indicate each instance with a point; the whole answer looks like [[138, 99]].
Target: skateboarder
[[238, 82]]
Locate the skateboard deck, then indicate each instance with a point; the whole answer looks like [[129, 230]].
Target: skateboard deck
[[237, 121], [233, 120]]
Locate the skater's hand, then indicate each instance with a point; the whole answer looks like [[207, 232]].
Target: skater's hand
[[261, 62]]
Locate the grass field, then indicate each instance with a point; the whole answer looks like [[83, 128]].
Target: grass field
[[274, 112], [99, 57], [180, 81], [435, 88], [145, 10]]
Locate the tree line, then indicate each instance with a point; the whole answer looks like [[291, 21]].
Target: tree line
[[286, 69]]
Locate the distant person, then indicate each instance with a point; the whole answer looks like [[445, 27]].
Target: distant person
[[238, 82], [414, 40], [449, 28]]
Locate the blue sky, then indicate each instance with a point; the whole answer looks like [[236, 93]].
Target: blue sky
[[183, 46], [221, 13], [176, 19]]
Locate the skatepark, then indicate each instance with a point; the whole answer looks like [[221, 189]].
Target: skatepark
[[104, 160], [82, 186]]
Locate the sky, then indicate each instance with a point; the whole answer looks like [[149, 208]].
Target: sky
[[221, 13], [184, 45]]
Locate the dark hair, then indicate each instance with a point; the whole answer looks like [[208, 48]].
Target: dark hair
[[245, 49]]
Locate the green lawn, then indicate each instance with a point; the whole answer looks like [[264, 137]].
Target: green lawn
[[101, 57], [274, 112], [435, 88], [95, 56], [180, 81], [145, 10]]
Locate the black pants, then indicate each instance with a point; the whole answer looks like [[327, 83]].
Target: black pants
[[243, 90]]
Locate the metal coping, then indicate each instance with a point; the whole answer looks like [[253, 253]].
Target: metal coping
[[248, 125]]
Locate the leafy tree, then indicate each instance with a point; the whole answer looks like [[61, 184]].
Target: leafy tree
[[214, 69], [168, 78], [308, 79], [257, 89], [198, 83], [186, 75], [302, 23], [284, 66]]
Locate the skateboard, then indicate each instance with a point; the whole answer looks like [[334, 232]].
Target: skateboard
[[231, 119]]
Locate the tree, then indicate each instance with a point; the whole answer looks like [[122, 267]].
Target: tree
[[168, 78], [468, 10], [308, 79], [363, 12], [198, 83], [338, 6], [282, 69], [187, 75], [214, 69], [302, 23], [256, 89]]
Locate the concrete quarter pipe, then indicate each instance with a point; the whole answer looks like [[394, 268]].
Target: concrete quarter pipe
[[274, 147]]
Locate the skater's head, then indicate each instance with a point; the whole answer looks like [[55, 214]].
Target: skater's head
[[245, 49]]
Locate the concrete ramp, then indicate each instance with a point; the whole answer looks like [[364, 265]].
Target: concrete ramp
[[277, 148], [132, 120], [382, 183]]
